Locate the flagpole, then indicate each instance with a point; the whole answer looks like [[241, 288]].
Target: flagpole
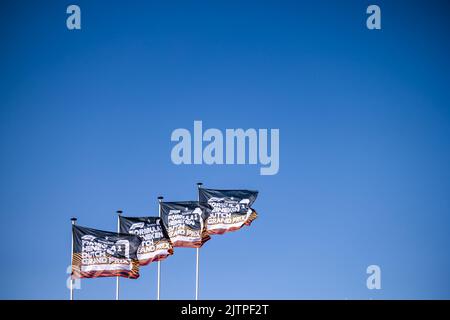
[[71, 260], [160, 199], [119, 213], [199, 185]]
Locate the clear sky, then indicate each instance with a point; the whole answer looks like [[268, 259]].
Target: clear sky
[[364, 118]]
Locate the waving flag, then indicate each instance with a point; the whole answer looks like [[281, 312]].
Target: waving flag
[[155, 244], [99, 253], [185, 223], [230, 210]]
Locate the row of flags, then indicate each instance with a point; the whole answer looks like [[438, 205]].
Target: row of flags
[[143, 240]]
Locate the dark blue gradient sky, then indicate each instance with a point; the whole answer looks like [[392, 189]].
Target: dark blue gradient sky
[[364, 119]]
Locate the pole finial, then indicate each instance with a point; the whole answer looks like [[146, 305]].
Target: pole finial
[[119, 212], [199, 184], [73, 219], [160, 198]]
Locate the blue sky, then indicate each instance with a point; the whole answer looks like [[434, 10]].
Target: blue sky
[[364, 118]]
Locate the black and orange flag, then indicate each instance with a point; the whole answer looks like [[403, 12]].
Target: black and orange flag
[[155, 245], [230, 210], [185, 223], [99, 253]]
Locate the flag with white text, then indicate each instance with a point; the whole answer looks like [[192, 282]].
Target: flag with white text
[[155, 244], [230, 210], [185, 223], [99, 253]]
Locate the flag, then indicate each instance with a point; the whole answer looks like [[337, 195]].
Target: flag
[[185, 223], [230, 210], [99, 253], [155, 244]]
